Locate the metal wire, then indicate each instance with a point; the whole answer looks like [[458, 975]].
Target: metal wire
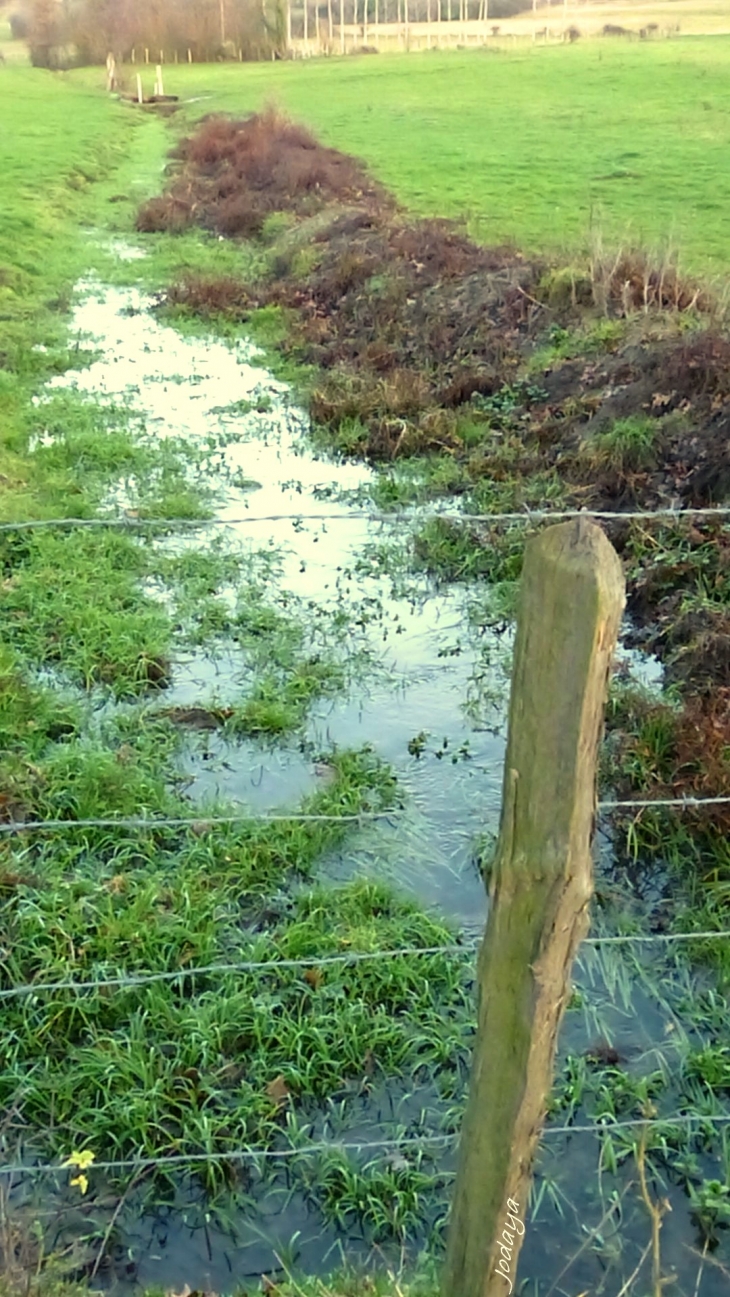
[[354, 957], [526, 515], [204, 821], [664, 801], [335, 1146], [245, 966]]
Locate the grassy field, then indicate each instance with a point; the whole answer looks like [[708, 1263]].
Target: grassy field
[[694, 17], [548, 148]]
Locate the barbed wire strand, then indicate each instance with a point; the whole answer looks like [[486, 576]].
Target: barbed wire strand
[[313, 961], [332, 1146], [525, 515], [200, 822]]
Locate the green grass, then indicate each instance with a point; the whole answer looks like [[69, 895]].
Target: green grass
[[536, 146]]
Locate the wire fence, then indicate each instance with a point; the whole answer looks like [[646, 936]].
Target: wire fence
[[526, 515], [462, 948], [604, 1127], [200, 823]]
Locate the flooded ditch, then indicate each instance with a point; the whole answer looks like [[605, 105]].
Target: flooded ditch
[[421, 664]]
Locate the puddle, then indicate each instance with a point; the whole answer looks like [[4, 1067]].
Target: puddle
[[195, 389], [412, 713]]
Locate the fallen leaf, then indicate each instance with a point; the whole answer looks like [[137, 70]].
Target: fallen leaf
[[314, 976], [369, 1063], [278, 1091], [116, 885]]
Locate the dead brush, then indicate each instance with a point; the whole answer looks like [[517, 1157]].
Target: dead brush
[[235, 173], [208, 295], [628, 280], [165, 215], [401, 394], [701, 659], [700, 366]]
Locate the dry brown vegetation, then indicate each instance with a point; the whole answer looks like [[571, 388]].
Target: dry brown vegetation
[[235, 173]]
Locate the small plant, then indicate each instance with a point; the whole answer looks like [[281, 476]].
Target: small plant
[[629, 446], [710, 1208]]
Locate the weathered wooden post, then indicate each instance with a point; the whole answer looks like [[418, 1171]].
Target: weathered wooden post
[[140, 96], [572, 598]]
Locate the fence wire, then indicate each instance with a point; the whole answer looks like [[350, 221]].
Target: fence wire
[[466, 946], [198, 822], [202, 822], [525, 515], [335, 1146]]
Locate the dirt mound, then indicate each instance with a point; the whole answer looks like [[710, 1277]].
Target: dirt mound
[[235, 173]]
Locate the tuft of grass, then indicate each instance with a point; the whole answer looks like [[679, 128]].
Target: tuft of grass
[[628, 446]]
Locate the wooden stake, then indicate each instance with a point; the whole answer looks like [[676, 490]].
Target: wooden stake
[[140, 98], [342, 26], [572, 598], [146, 56], [190, 56]]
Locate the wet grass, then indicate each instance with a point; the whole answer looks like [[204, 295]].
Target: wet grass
[[93, 624]]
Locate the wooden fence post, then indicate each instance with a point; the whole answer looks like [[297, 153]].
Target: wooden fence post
[[571, 602]]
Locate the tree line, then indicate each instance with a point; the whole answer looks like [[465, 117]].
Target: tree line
[[61, 33]]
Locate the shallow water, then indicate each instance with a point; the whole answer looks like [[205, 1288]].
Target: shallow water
[[187, 387]]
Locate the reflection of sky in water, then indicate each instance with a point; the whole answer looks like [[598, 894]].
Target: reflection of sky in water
[[185, 387]]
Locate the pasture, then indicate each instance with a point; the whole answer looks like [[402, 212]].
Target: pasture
[[550, 149]]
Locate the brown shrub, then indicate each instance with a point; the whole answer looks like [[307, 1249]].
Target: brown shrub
[[164, 215], [236, 172], [211, 295], [239, 216]]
